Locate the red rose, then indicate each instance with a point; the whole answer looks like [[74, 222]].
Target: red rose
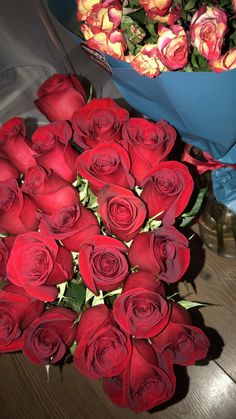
[[104, 164], [37, 263], [141, 310], [60, 96], [184, 343], [14, 146], [103, 349], [122, 213], [146, 382], [5, 248], [8, 170], [163, 252], [148, 143], [72, 225], [17, 311], [49, 191], [17, 210], [99, 121], [167, 190], [48, 338], [53, 150], [103, 263]]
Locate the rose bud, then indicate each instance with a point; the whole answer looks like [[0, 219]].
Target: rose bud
[[141, 310], [17, 311], [84, 7], [8, 170], [99, 121], [14, 145], [207, 31], [60, 96], [146, 382], [184, 343], [122, 213], [53, 150], [225, 62], [48, 338], [5, 249], [103, 349], [18, 212], [163, 252], [172, 46], [147, 143], [167, 190], [103, 263], [37, 264], [48, 190], [155, 7], [105, 16], [112, 43], [146, 62], [105, 164], [72, 225]]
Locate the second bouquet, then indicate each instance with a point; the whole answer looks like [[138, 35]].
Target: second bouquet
[[89, 209]]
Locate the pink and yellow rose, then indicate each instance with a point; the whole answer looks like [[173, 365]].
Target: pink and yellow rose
[[146, 62], [84, 7], [207, 31], [105, 16], [111, 43], [155, 8], [172, 46], [170, 18], [225, 62]]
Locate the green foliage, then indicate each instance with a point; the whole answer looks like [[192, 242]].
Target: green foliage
[[191, 304], [198, 62], [133, 32], [74, 297], [187, 217]]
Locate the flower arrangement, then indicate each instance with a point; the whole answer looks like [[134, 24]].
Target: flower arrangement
[[89, 245], [156, 36]]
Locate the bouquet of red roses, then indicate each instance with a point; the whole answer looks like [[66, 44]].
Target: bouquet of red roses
[[156, 36], [88, 245]]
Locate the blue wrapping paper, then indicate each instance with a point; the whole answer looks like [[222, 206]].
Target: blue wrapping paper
[[200, 105]]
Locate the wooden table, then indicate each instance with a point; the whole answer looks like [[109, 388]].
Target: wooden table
[[207, 390]]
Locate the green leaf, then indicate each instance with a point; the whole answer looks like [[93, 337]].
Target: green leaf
[[134, 3], [171, 297], [139, 17], [132, 31], [190, 5], [190, 304], [73, 347], [89, 295], [115, 292], [152, 224], [189, 216], [74, 297], [98, 299], [62, 289]]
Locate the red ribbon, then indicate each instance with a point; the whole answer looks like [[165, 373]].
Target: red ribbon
[[203, 166]]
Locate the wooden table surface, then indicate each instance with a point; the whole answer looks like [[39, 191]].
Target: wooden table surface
[[207, 390]]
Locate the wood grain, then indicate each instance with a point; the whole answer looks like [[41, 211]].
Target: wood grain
[[206, 390]]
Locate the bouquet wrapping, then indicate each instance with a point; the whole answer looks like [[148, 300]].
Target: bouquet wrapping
[[199, 104]]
